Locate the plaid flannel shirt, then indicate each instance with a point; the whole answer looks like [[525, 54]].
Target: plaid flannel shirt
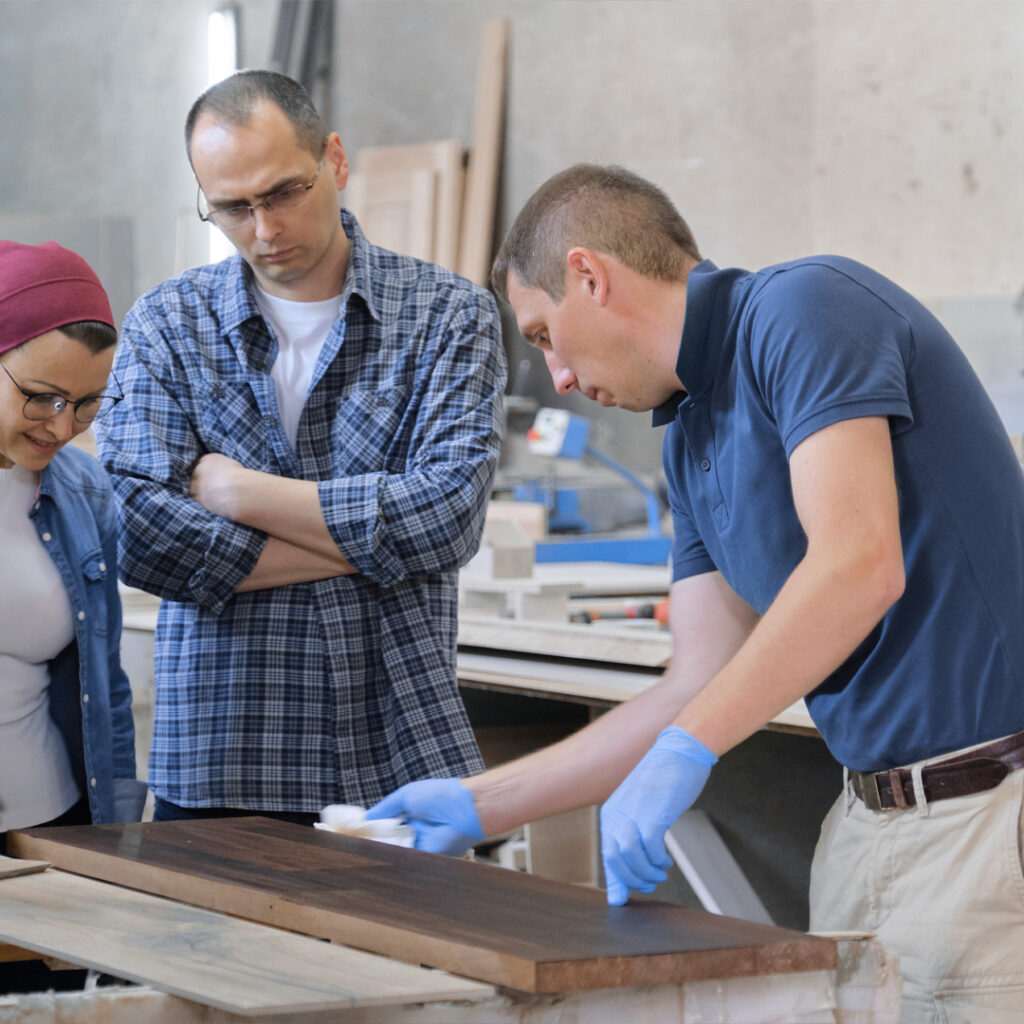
[[342, 689]]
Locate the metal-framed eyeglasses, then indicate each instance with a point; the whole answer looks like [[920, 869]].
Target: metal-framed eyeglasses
[[233, 216], [41, 405]]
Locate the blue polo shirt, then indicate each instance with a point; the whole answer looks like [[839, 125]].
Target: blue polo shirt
[[769, 358]]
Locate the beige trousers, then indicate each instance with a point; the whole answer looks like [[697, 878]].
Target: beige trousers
[[942, 886]]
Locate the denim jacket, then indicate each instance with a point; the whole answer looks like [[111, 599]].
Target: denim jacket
[[90, 697]]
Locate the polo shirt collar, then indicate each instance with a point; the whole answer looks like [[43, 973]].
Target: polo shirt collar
[[701, 286]]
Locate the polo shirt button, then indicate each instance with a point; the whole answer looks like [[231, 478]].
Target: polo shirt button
[[92, 782], [81, 616], [85, 698], [705, 464], [47, 538]]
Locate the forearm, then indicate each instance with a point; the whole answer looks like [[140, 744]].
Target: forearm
[[580, 770], [709, 623], [282, 564], [285, 509]]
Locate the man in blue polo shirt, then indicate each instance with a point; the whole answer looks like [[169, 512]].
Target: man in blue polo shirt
[[849, 528]]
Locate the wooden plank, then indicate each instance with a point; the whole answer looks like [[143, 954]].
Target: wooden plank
[[396, 209], [15, 954], [11, 866], [473, 919], [203, 956], [484, 155], [612, 644], [445, 158]]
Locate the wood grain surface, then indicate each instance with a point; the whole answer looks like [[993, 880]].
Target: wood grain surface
[[207, 957], [477, 920]]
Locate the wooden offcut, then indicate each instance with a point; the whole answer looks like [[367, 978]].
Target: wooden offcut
[[11, 866], [476, 920], [444, 160], [396, 209], [204, 956], [475, 247]]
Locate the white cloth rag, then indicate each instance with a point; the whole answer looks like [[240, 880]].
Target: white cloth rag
[[351, 821]]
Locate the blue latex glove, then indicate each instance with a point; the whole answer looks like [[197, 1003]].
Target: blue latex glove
[[440, 811], [664, 784]]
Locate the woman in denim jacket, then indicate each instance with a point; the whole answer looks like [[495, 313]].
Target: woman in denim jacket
[[67, 742]]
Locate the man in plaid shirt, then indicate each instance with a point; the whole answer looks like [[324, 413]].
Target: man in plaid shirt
[[302, 461]]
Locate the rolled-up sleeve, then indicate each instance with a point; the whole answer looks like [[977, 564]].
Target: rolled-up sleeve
[[429, 517], [169, 544]]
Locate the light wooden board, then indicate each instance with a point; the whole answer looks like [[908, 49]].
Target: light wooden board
[[614, 645], [445, 158], [395, 209], [203, 956], [583, 682], [484, 155], [475, 920], [11, 866]]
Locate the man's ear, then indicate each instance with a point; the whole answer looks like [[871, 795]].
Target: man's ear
[[337, 160], [586, 269]]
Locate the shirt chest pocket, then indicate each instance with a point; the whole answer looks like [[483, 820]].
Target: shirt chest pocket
[[94, 569], [231, 423], [371, 433]]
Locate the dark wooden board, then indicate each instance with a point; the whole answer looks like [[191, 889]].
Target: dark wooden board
[[477, 920]]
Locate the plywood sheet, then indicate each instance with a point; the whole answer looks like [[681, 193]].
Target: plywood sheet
[[396, 209], [472, 919], [206, 957], [445, 159]]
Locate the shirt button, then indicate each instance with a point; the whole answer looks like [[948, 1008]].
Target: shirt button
[[35, 507], [705, 464], [103, 566], [85, 698], [47, 538], [81, 616], [92, 782]]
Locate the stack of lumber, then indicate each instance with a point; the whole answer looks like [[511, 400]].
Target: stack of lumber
[[432, 200]]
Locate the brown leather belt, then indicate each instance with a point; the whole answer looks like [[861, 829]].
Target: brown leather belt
[[972, 772]]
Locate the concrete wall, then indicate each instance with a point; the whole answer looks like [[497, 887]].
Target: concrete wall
[[891, 132]]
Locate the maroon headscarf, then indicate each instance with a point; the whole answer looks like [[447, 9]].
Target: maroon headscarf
[[43, 287]]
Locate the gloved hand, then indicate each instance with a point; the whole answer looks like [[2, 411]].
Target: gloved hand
[[635, 818], [440, 811]]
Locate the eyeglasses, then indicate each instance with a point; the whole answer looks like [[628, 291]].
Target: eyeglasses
[[40, 405], [237, 215]]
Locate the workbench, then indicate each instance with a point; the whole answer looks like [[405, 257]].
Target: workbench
[[193, 912], [593, 666]]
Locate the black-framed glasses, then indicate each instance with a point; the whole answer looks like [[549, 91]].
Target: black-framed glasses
[[41, 405], [236, 215]]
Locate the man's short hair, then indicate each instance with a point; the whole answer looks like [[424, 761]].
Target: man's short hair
[[234, 100], [607, 209]]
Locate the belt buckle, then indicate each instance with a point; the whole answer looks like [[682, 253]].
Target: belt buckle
[[869, 791]]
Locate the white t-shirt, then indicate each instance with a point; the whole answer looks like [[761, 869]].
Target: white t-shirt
[[36, 783], [301, 329]]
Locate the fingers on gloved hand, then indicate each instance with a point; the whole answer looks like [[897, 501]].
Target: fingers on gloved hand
[[616, 892], [392, 806], [631, 866], [626, 864], [657, 855], [440, 839]]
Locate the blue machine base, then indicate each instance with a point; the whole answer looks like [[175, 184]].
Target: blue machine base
[[633, 550]]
